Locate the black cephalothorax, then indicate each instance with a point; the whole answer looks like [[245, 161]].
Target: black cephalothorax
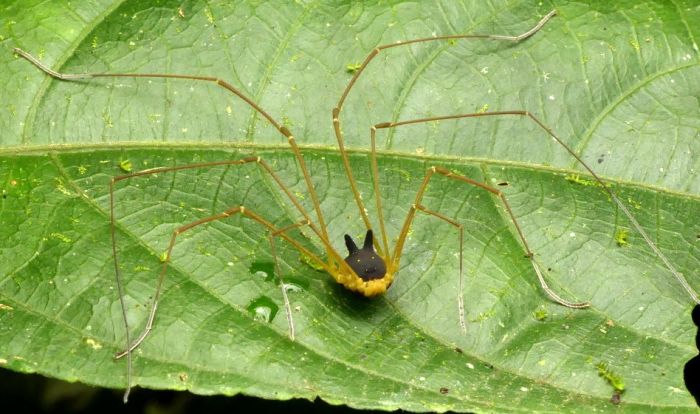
[[365, 262], [691, 371]]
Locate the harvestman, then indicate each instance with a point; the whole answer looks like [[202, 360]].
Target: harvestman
[[371, 269]]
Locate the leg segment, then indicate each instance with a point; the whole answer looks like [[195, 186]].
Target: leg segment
[[460, 228], [605, 187], [273, 232], [339, 107], [287, 306], [396, 257], [219, 82], [131, 345], [341, 144], [318, 230]]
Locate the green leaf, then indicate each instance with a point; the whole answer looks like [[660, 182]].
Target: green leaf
[[618, 82]]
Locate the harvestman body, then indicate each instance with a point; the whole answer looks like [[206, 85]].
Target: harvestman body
[[371, 269]]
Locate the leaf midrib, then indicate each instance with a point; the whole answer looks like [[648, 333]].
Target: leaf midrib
[[56, 149]]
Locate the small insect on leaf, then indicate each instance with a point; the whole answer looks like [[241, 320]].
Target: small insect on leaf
[[613, 379], [577, 179], [311, 263], [352, 68], [126, 166], [540, 314], [621, 237], [60, 236]]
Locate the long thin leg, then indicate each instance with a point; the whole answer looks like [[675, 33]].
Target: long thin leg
[[605, 187], [339, 107], [180, 230], [358, 199], [460, 290], [266, 168], [219, 82], [528, 253], [287, 306], [173, 239], [264, 165]]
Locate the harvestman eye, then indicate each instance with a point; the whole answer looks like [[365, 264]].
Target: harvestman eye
[[369, 270]]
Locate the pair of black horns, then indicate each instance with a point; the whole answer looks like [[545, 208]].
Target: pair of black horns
[[368, 244]]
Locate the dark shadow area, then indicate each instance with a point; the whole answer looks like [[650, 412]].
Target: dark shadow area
[[691, 372], [34, 393]]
